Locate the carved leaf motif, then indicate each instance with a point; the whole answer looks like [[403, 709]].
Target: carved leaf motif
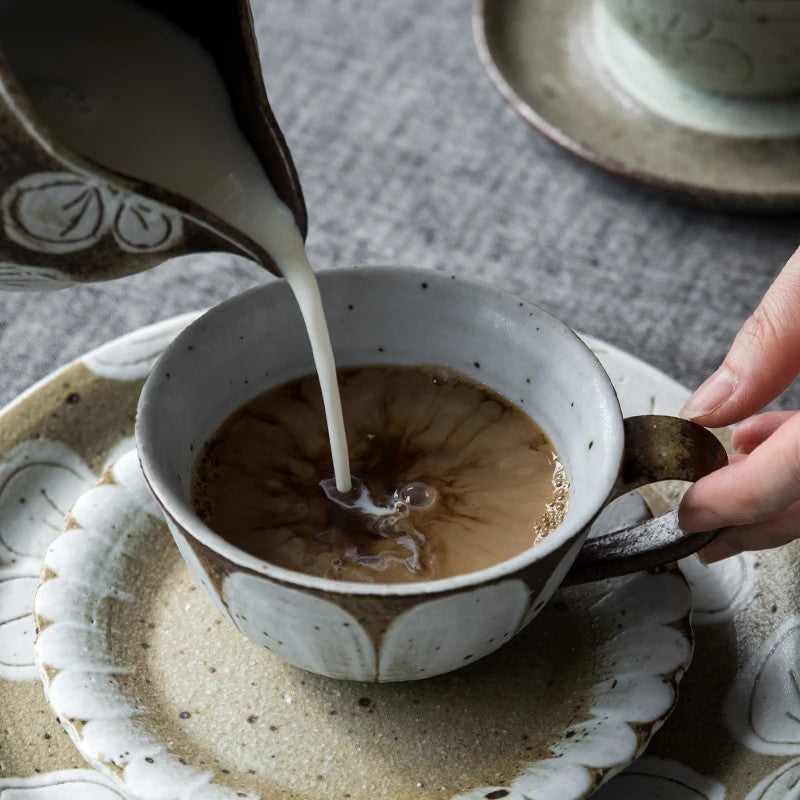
[[55, 212], [763, 707], [687, 40], [141, 226], [666, 23], [39, 480], [63, 785], [722, 589], [131, 357], [16, 624], [715, 58], [780, 785], [59, 212], [650, 778]]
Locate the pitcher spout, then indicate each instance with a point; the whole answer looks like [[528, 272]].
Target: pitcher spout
[[72, 209]]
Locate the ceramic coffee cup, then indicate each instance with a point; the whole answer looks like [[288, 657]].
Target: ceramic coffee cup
[[746, 49], [390, 632]]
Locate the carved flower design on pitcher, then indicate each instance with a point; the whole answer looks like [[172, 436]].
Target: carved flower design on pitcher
[[61, 212], [21, 277]]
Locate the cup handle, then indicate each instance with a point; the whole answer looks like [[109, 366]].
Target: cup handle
[[657, 448]]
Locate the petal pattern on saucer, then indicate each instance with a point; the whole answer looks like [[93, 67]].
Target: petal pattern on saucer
[[16, 625], [78, 678], [551, 779], [650, 778], [38, 481], [636, 392], [132, 357], [720, 590], [762, 709], [783, 784], [644, 655], [68, 784]]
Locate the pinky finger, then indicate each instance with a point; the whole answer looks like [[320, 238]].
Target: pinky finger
[[753, 431], [773, 532]]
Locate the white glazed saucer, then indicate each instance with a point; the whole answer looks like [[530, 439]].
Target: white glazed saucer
[[733, 735], [159, 693]]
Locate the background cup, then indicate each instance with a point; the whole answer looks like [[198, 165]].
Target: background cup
[[386, 632], [746, 49]]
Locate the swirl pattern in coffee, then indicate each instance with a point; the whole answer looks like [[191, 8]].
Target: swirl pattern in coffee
[[449, 478]]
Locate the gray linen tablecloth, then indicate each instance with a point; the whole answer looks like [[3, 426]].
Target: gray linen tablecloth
[[408, 155]]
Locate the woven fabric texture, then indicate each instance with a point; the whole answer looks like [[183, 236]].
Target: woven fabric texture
[[408, 155]]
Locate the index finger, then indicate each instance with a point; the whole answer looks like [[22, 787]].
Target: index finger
[[762, 361]]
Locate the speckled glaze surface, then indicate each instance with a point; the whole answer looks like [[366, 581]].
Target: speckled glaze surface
[[406, 631], [546, 58], [741, 608], [159, 693], [55, 440], [66, 219]]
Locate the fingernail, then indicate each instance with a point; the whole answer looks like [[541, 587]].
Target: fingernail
[[717, 551], [697, 520], [711, 394]]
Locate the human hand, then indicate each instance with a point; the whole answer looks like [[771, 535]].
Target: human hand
[[755, 500]]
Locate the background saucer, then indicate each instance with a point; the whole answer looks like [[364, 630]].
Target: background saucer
[[542, 56], [159, 693]]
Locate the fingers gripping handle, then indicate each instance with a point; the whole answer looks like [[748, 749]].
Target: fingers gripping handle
[[649, 544], [656, 449]]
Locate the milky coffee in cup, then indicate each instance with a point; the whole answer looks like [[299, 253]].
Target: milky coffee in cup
[[450, 478]]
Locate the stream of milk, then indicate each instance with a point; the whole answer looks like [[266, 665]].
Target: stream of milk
[[124, 86]]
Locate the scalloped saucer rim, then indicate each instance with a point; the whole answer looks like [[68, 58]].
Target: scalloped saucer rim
[[624, 690]]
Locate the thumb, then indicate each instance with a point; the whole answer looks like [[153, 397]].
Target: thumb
[[763, 360]]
